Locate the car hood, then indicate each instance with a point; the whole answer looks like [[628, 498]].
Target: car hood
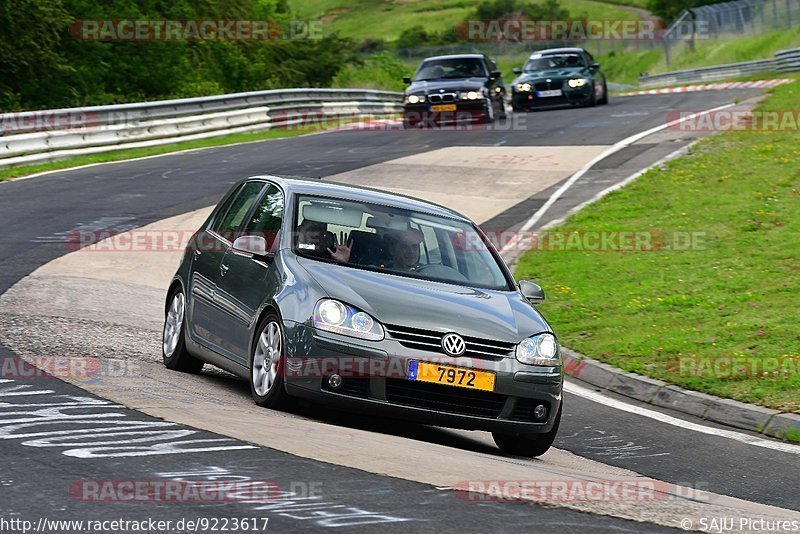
[[397, 300], [456, 84], [555, 74]]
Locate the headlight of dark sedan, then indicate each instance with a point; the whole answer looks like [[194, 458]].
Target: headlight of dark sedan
[[334, 316], [541, 349], [578, 82], [470, 95], [415, 99], [524, 87]]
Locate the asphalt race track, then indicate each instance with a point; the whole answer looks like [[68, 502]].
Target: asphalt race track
[[43, 470]]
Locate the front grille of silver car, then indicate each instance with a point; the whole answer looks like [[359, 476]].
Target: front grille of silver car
[[431, 341], [438, 98]]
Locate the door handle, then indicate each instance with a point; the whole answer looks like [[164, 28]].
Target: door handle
[[223, 269]]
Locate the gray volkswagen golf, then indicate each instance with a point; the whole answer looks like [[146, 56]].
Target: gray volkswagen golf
[[376, 301]]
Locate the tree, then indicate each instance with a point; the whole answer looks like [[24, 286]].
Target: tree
[[30, 56]]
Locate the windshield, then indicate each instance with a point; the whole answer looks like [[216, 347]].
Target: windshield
[[396, 241], [554, 61], [443, 69]]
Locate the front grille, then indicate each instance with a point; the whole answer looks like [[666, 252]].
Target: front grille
[[442, 97], [523, 411], [547, 86], [431, 341], [448, 399]]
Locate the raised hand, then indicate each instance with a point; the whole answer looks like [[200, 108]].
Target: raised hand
[[342, 252]]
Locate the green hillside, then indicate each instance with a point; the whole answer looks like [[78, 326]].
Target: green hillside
[[387, 19]]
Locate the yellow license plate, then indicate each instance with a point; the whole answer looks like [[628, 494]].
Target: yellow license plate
[[451, 376], [444, 107]]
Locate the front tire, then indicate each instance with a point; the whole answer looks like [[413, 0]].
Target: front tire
[[489, 111], [592, 99], [529, 446], [173, 343], [267, 364], [604, 100]]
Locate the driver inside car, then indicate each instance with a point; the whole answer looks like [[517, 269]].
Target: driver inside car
[[403, 248]]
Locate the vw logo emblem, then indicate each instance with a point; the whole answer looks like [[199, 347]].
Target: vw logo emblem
[[549, 80], [453, 344]]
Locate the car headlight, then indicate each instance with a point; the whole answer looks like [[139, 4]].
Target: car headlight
[[415, 99], [577, 82], [523, 87], [471, 95], [333, 316], [541, 349]]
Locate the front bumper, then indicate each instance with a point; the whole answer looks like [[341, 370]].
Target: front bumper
[[375, 380], [465, 112], [569, 97]]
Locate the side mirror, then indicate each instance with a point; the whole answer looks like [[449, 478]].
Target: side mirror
[[533, 292], [595, 66], [251, 244], [495, 74], [517, 70], [406, 80]]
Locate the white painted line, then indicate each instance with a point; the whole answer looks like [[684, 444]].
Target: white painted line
[[618, 185], [674, 421], [616, 147]]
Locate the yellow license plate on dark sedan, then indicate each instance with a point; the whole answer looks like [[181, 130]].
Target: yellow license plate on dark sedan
[[450, 375], [444, 107]]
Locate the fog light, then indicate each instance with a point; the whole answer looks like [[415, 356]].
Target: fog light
[[540, 412], [335, 382]]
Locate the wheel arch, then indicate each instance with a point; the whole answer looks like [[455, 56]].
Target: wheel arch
[[175, 284]]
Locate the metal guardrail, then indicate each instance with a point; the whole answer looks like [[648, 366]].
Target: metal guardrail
[[784, 61], [49, 135], [788, 60]]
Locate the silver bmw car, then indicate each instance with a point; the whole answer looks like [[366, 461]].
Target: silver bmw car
[[371, 300]]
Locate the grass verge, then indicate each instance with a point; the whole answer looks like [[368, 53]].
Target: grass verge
[[119, 155], [685, 316]]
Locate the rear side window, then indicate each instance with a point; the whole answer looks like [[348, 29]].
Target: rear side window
[[231, 219]]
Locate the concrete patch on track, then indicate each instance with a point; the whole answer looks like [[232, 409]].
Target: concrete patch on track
[[480, 182], [109, 304]]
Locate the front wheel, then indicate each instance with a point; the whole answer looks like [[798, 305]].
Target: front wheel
[[489, 111], [529, 446], [267, 364], [592, 98], [173, 344], [604, 100]]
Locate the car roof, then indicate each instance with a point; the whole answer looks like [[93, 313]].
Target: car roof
[[559, 51], [456, 56], [312, 186]]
